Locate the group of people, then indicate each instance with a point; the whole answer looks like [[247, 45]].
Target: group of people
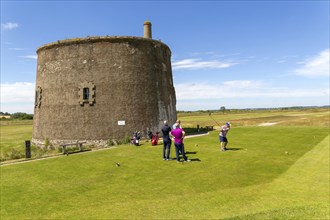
[[177, 134]]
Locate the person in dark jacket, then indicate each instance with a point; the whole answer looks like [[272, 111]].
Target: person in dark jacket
[[167, 141]]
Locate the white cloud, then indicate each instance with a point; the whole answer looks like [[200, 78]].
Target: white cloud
[[9, 26], [241, 84], [34, 57], [17, 48], [242, 89], [193, 64], [315, 66], [17, 92], [246, 94], [17, 97]]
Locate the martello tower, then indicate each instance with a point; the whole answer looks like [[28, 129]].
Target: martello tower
[[100, 88]]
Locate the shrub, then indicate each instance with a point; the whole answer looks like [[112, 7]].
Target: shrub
[[110, 143], [60, 150], [114, 142], [16, 154], [124, 140], [2, 157], [47, 142]]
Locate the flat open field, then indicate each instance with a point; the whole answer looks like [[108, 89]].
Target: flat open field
[[278, 171], [299, 117], [12, 137]]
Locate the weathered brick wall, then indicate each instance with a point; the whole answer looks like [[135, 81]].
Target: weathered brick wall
[[131, 78]]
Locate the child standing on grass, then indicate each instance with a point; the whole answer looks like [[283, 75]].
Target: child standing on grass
[[222, 135]]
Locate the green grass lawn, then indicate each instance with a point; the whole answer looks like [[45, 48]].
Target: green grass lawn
[[12, 139], [12, 136], [277, 172]]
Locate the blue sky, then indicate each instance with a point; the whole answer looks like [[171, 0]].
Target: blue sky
[[237, 54]]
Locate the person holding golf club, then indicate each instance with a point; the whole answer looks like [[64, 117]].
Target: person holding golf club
[[222, 135], [178, 135], [166, 141]]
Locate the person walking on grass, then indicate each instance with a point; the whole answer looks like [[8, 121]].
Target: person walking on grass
[[222, 135], [178, 135], [167, 141]]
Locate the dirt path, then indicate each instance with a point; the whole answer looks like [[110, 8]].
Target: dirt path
[[196, 135], [268, 124]]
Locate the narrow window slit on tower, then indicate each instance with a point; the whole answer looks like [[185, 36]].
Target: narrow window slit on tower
[[86, 93]]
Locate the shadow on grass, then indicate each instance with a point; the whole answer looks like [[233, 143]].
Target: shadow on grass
[[196, 159], [234, 149], [76, 152], [191, 152]]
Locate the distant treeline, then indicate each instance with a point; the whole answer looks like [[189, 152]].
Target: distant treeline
[[223, 109], [17, 115], [25, 116]]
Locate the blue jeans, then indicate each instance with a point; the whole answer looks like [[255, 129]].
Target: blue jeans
[[179, 148], [167, 149]]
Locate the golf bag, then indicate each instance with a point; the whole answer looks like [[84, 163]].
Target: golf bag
[[136, 138], [154, 139]]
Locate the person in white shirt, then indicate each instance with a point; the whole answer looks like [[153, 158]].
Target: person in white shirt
[[178, 122], [222, 136]]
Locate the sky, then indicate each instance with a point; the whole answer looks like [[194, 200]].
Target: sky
[[236, 54]]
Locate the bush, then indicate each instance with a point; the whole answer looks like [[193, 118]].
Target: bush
[[114, 142], [47, 142], [124, 140], [16, 154], [60, 150]]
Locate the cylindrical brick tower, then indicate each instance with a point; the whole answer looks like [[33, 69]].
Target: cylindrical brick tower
[[99, 88]]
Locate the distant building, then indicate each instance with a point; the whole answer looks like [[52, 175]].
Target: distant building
[[5, 116], [99, 88]]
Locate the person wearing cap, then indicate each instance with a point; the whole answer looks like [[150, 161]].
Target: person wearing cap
[[166, 141], [222, 135], [178, 135]]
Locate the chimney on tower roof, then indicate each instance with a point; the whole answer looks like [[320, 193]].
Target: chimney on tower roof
[[147, 29]]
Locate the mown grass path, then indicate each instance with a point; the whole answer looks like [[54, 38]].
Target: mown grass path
[[302, 192]]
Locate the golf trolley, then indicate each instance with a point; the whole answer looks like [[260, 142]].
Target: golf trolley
[[136, 138]]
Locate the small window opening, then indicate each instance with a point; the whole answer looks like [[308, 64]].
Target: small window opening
[[36, 97], [86, 93]]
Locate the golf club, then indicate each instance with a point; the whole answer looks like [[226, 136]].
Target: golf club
[[214, 120]]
